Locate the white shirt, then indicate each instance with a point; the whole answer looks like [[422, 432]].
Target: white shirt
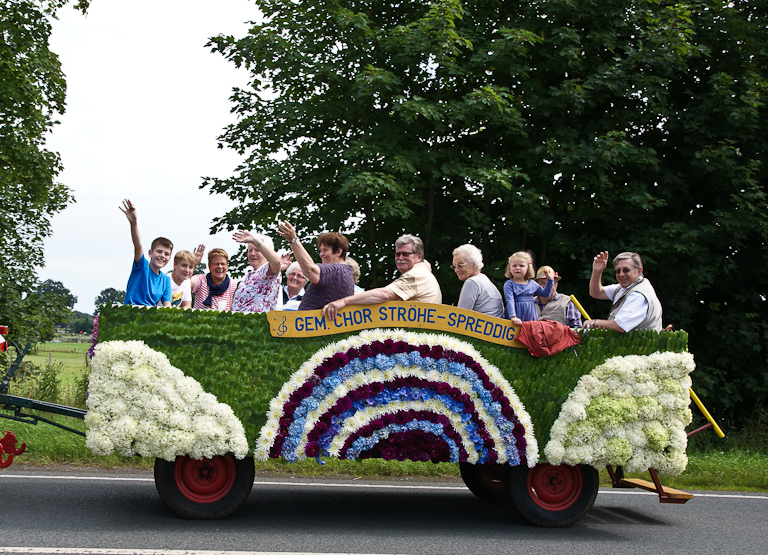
[[634, 309]]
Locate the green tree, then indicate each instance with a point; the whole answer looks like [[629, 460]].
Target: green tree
[[32, 92], [80, 322], [109, 296], [564, 127], [56, 288]]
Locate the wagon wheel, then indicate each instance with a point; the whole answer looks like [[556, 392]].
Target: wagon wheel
[[553, 496], [206, 489], [487, 481]]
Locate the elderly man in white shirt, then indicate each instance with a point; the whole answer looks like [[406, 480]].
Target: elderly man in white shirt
[[635, 304]]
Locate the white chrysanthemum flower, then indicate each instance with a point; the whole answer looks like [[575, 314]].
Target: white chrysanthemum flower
[[554, 451], [662, 404], [165, 412]]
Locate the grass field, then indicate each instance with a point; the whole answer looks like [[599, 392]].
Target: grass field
[[70, 355], [55, 372]]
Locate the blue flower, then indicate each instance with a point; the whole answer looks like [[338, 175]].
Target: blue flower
[[319, 392], [402, 359]]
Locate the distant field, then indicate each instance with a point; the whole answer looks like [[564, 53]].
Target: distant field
[[71, 355]]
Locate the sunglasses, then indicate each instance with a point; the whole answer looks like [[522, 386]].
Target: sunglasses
[[623, 270]]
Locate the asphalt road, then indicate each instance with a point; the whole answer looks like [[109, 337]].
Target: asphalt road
[[57, 510]]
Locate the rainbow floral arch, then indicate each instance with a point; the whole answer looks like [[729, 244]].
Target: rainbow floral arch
[[395, 394]]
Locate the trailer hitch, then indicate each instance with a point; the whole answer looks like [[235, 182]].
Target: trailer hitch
[[8, 447]]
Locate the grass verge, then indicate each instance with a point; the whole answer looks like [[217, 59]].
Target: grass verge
[[733, 469]]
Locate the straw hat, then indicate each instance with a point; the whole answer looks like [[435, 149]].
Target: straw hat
[[541, 274]]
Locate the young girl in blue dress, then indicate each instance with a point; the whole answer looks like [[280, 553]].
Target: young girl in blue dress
[[520, 288]]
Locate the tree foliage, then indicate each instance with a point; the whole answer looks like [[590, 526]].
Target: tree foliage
[[36, 315], [566, 127], [56, 288], [32, 94], [109, 296], [80, 322]]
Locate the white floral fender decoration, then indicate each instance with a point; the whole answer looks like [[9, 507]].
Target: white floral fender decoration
[[139, 404], [630, 411], [395, 394]]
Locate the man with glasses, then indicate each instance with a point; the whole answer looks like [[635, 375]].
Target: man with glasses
[[635, 304], [416, 282]]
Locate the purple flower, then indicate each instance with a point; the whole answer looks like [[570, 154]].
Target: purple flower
[[402, 347], [312, 449], [388, 347], [339, 359]]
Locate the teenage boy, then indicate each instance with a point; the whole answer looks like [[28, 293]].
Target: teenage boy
[[147, 285], [181, 287]]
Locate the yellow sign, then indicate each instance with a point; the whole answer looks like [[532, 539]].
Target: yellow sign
[[439, 317]]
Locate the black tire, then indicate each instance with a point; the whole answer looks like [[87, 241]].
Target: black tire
[[553, 496], [206, 489], [487, 481]]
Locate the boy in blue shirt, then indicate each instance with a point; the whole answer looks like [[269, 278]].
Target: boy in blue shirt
[[147, 285]]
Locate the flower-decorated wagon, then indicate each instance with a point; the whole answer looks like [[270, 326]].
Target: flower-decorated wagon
[[205, 393]]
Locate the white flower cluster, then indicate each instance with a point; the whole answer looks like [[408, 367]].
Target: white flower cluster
[[268, 432], [138, 404], [630, 411]]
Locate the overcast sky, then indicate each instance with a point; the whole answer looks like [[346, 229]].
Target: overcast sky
[[145, 103]]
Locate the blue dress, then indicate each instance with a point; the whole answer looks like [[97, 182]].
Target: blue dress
[[519, 298]]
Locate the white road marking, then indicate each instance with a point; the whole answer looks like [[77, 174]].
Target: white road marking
[[359, 485], [96, 551]]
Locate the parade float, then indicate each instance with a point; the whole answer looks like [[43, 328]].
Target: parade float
[[205, 393]]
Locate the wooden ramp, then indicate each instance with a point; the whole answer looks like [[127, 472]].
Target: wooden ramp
[[666, 495], [673, 495]]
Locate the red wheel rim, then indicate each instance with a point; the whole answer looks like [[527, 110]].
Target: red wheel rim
[[204, 481], [492, 475], [555, 488]]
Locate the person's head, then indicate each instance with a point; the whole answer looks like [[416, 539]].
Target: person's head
[[628, 266], [255, 258], [541, 277], [294, 278], [349, 261], [183, 265], [520, 266], [467, 261], [218, 264], [332, 246], [409, 250], [160, 253]]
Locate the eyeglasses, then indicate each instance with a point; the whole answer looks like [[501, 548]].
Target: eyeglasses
[[459, 266], [403, 254], [623, 270]]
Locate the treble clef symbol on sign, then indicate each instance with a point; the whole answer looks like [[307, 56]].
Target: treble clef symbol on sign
[[282, 328]]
